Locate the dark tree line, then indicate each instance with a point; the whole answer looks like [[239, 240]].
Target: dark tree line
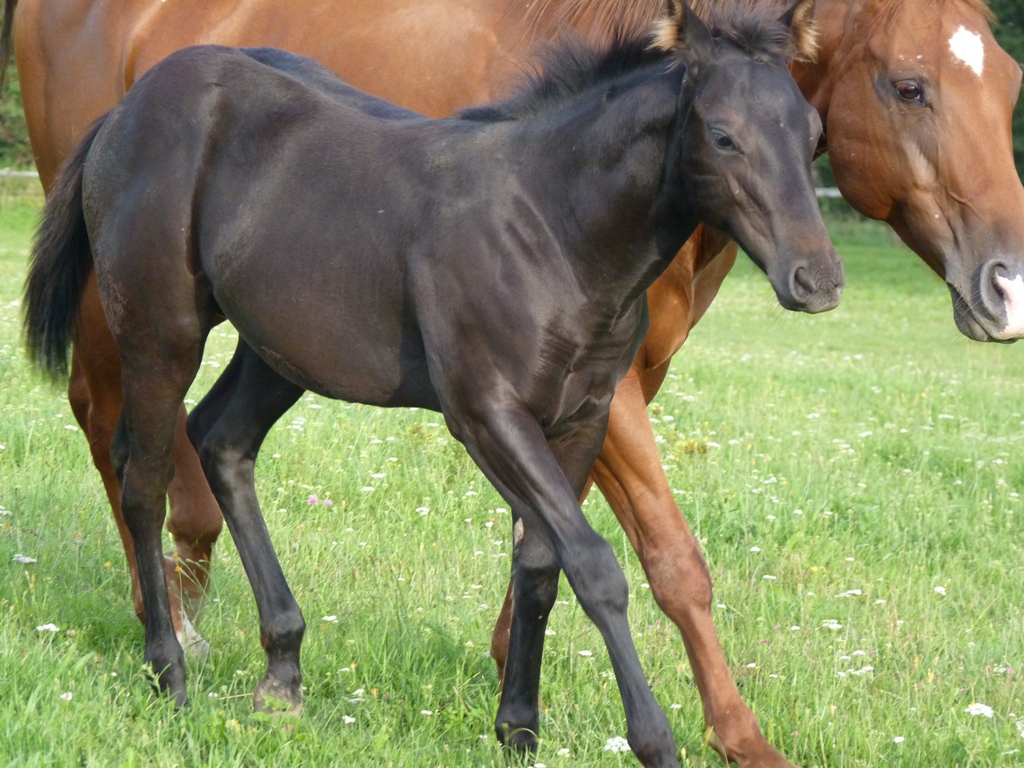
[[1010, 33]]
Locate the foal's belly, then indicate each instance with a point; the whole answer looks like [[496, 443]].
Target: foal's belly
[[326, 338]]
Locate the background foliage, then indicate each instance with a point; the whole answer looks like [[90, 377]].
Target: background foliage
[[1010, 33], [14, 147]]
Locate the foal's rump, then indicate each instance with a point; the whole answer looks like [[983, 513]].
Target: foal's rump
[[247, 184]]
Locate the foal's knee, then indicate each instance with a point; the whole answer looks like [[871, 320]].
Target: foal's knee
[[535, 575], [596, 577]]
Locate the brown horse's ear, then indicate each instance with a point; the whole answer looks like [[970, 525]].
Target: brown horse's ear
[[800, 20], [681, 29]]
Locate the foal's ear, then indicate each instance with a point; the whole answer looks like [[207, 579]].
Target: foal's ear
[[682, 29], [800, 20]]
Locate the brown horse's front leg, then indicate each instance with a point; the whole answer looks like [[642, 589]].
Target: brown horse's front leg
[[94, 392], [630, 476]]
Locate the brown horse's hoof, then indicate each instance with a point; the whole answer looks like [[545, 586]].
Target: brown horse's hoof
[[752, 752], [186, 598], [192, 643], [277, 699]]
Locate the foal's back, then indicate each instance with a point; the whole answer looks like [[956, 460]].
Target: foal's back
[[271, 170]]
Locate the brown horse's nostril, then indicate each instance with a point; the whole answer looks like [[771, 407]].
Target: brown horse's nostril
[[992, 291]]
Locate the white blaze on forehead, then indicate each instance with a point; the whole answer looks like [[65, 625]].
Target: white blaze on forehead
[[968, 48], [1013, 293]]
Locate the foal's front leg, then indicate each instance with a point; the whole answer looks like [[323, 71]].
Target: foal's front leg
[[511, 449]]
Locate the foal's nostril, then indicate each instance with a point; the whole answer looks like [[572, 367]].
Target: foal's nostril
[[804, 285]]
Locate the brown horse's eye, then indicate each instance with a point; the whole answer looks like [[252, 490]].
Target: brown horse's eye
[[909, 91]]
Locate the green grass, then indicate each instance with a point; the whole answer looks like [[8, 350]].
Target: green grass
[[871, 449]]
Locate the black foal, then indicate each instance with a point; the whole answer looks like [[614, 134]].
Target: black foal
[[492, 267]]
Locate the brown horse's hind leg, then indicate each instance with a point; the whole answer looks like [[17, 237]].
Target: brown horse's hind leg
[[629, 474], [194, 521], [94, 393], [155, 380]]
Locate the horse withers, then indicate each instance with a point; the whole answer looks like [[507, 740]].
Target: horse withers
[[491, 267]]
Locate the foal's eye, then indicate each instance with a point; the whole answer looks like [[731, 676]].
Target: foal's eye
[[909, 91], [721, 140]]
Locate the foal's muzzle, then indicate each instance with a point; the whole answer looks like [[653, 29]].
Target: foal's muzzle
[[814, 284]]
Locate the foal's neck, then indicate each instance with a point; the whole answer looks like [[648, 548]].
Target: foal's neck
[[619, 211]]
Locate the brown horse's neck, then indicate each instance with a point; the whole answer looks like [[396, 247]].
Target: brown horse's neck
[[840, 35]]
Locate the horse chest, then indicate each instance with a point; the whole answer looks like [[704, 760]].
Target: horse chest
[[582, 384]]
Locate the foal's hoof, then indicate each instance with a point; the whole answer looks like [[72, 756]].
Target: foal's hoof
[[520, 738], [170, 681], [277, 699]]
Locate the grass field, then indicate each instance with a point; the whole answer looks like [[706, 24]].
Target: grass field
[[854, 477]]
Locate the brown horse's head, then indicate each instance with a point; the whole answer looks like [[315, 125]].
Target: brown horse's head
[[918, 128]]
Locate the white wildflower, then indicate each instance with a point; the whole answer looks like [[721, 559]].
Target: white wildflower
[[616, 744]]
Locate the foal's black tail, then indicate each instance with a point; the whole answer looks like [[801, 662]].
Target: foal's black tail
[[59, 266]]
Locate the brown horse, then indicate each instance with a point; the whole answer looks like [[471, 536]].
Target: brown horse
[[917, 116]]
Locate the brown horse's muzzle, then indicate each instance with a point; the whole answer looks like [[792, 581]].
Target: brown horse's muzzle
[[993, 308]]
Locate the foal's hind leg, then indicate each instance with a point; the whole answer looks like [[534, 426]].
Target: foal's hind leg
[[94, 392], [156, 377], [534, 588], [227, 428]]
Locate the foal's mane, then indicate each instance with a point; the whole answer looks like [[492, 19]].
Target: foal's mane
[[575, 65]]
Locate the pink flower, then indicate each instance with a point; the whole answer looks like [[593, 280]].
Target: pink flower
[[328, 503], [312, 499]]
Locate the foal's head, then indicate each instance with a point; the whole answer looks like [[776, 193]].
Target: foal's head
[[746, 138]]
